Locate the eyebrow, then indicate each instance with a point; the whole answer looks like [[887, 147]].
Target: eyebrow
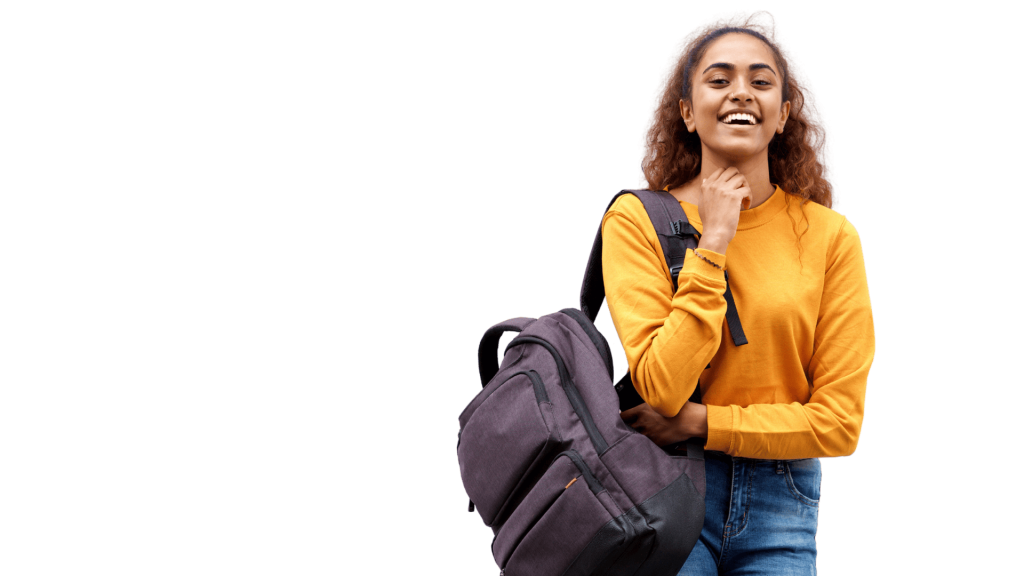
[[727, 66]]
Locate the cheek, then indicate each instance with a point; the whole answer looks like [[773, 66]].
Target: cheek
[[706, 117]]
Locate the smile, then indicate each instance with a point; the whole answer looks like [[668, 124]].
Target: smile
[[739, 119]]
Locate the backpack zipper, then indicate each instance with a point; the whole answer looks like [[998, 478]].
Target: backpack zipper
[[598, 340], [538, 390], [575, 399], [577, 459], [538, 385]]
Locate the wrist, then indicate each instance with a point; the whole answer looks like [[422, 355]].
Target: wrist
[[695, 420], [713, 242]]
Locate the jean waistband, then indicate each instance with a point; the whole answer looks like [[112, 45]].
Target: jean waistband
[[722, 456], [713, 454]]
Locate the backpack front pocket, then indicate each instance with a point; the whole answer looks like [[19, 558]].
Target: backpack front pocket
[[550, 530], [504, 442]]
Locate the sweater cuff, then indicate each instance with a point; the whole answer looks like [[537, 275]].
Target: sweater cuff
[[719, 429], [694, 265]]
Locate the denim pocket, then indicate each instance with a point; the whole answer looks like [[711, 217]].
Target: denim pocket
[[804, 479]]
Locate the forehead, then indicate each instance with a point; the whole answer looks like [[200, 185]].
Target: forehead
[[739, 49]]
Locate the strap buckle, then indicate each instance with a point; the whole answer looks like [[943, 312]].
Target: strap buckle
[[684, 228]]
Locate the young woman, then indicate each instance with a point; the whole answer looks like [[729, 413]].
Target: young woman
[[732, 141]]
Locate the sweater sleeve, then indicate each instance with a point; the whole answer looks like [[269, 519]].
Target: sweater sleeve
[[668, 338], [844, 345]]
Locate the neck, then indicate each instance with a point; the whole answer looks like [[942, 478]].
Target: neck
[[754, 169]]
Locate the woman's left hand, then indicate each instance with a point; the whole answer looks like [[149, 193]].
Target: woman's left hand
[[691, 421]]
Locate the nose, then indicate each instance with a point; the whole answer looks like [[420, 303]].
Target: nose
[[740, 93]]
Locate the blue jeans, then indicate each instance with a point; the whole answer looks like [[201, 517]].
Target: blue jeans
[[760, 517]]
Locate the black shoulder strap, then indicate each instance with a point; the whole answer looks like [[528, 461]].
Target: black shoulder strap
[[592, 293], [676, 235], [673, 227]]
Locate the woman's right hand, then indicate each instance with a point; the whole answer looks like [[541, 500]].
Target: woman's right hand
[[722, 196]]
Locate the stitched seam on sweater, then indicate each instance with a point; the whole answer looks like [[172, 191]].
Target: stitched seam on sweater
[[835, 241]]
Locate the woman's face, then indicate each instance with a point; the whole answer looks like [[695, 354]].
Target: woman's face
[[736, 105]]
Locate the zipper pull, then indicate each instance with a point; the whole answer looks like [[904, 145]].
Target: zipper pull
[[471, 507]]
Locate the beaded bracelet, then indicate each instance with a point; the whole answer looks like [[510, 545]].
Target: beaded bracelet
[[704, 258]]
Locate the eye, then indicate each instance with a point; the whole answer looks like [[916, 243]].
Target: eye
[[718, 80], [761, 82]]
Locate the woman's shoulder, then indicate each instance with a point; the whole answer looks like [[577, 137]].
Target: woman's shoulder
[[820, 218], [826, 225], [626, 222], [628, 209], [627, 205]]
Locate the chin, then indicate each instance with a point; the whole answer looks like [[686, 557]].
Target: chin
[[738, 153]]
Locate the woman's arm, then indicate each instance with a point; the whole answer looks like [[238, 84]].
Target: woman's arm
[[829, 423], [668, 337], [690, 422]]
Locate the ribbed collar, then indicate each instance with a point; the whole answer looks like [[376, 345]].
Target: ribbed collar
[[752, 218]]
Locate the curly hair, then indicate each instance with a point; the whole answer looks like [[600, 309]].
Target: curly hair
[[673, 154]]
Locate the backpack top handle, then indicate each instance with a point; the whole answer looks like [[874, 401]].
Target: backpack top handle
[[487, 354]]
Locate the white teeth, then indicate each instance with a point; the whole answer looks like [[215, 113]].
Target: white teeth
[[740, 116]]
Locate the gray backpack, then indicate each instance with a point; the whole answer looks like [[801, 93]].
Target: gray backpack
[[566, 486]]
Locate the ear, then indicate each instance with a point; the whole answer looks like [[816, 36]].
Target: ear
[[687, 113], [783, 116]]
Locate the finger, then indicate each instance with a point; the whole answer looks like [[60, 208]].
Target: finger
[[713, 178], [736, 180], [728, 174], [747, 198]]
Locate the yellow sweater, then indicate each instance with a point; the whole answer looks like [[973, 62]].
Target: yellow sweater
[[796, 390]]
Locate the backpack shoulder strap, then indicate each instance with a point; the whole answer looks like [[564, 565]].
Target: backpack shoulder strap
[[672, 226], [592, 292]]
